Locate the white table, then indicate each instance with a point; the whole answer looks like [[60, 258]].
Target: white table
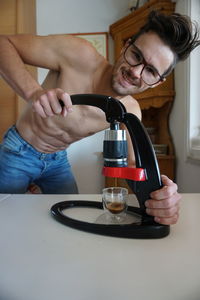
[[41, 259]]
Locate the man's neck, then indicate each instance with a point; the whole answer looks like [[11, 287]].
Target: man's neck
[[103, 83]]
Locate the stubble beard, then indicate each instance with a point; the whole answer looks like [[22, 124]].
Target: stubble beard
[[124, 91], [118, 88], [134, 88]]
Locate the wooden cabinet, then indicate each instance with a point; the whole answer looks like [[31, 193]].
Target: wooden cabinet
[[16, 16], [155, 103]]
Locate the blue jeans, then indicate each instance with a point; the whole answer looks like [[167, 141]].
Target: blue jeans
[[21, 164]]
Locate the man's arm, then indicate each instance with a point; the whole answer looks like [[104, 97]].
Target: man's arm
[[52, 52], [13, 70]]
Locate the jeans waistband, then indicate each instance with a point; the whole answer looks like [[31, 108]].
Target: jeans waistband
[[41, 155]]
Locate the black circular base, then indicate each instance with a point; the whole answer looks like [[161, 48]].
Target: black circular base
[[147, 229]]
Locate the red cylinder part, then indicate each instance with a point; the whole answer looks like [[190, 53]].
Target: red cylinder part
[[136, 174]]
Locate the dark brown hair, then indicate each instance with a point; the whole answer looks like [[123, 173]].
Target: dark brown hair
[[176, 30]]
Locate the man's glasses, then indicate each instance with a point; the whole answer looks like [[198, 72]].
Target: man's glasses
[[134, 57]]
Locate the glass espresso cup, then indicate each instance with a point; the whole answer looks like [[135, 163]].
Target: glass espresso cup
[[115, 200]]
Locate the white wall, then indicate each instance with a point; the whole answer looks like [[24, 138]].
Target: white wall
[[188, 171], [66, 16]]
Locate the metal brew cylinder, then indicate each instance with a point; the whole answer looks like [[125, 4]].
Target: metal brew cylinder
[[115, 147]]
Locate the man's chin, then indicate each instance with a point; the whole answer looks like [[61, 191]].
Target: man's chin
[[123, 91]]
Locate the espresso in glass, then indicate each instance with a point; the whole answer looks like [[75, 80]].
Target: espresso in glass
[[115, 207], [115, 199]]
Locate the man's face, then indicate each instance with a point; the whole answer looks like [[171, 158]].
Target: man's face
[[127, 79]]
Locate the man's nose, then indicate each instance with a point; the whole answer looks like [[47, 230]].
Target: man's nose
[[137, 70]]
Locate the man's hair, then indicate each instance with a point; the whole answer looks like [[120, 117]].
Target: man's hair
[[175, 30]]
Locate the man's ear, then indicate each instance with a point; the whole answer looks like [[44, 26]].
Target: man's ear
[[125, 46], [160, 82], [127, 43]]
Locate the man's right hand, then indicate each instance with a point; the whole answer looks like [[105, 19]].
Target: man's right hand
[[46, 103]]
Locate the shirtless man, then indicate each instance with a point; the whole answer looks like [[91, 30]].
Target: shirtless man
[[34, 149]]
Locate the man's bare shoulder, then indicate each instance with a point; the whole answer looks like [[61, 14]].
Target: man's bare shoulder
[[78, 51], [132, 105]]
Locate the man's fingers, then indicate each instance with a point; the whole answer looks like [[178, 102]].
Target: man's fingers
[[38, 108], [167, 221], [166, 191], [64, 112], [163, 213], [52, 102], [65, 101], [45, 101], [163, 203]]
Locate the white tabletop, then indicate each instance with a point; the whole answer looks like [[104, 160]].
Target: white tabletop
[[41, 259]]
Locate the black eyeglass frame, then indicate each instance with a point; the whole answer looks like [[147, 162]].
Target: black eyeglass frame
[[143, 62]]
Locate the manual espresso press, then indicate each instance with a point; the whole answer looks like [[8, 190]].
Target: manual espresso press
[[142, 179]]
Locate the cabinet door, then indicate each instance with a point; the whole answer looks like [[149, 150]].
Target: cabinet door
[[16, 16]]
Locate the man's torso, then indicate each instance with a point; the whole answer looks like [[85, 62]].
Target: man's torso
[[56, 133]]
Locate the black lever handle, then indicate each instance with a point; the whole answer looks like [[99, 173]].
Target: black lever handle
[[113, 108]]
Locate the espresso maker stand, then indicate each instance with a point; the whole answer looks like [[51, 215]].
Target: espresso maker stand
[[142, 180]]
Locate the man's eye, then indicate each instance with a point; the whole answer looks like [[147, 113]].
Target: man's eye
[[136, 56], [151, 71]]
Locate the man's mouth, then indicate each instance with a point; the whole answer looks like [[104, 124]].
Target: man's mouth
[[128, 78]]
